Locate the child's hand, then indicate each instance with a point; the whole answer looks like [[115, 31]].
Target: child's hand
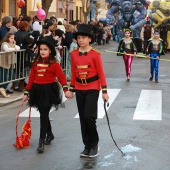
[[134, 54], [69, 94], [105, 97], [157, 57], [25, 98], [148, 56]]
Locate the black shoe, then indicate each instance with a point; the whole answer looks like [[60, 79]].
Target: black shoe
[[49, 138], [151, 78], [9, 92], [93, 152], [156, 81], [40, 148], [85, 152], [18, 90]]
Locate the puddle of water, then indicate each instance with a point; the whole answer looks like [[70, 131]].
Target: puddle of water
[[129, 148], [105, 164]]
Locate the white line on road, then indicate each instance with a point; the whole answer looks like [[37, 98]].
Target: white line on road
[[35, 113], [112, 96], [149, 106]]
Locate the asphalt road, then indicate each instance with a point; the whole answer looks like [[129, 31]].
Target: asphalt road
[[145, 142]]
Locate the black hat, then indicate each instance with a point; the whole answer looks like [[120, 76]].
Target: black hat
[[50, 42], [59, 32], [84, 29], [73, 23], [47, 24]]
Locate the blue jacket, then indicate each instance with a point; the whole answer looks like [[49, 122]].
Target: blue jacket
[[3, 31]]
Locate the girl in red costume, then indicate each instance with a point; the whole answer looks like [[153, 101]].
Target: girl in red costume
[[43, 89], [127, 46]]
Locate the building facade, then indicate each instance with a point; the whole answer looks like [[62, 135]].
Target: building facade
[[59, 8]]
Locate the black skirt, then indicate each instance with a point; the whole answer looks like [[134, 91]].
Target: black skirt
[[45, 95]]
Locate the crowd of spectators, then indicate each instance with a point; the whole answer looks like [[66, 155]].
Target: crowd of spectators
[[26, 31]]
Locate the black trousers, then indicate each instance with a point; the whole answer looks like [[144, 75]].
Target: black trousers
[[45, 125], [87, 108]]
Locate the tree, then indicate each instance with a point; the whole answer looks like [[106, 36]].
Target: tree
[[46, 5]]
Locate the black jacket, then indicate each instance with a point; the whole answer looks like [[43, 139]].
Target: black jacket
[[3, 31]]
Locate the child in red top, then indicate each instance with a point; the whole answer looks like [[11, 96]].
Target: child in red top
[[86, 80], [43, 90]]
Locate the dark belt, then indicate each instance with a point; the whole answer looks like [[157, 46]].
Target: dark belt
[[85, 81]]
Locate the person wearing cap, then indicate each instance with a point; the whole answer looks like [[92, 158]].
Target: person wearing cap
[[47, 29], [43, 90], [146, 33], [87, 79], [154, 51], [127, 47]]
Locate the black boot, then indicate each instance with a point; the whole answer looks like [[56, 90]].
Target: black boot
[[151, 78], [49, 138], [40, 148]]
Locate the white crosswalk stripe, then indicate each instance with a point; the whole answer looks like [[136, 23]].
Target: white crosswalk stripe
[[149, 105], [112, 96]]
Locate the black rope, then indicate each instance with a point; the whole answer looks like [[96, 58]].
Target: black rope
[[109, 126]]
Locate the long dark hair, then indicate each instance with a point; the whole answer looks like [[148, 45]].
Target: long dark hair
[[50, 60]]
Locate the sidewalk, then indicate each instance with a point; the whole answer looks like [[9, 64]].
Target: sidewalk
[[18, 95], [13, 97]]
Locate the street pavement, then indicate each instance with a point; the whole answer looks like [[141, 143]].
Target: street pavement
[[139, 115]]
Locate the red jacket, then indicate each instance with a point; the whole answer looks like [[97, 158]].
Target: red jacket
[[42, 73], [87, 66]]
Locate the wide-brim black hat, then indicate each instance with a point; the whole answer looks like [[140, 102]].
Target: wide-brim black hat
[[84, 29], [50, 42]]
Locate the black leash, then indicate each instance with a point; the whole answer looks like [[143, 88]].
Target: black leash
[[109, 126]]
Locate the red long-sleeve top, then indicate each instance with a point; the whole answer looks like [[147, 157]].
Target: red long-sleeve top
[[87, 66], [42, 73]]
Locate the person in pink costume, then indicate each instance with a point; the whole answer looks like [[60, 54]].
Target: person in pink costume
[[127, 47]]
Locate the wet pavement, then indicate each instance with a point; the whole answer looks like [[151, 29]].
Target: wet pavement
[[144, 142]]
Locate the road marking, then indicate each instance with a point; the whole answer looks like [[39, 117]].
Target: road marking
[[35, 113], [149, 106], [112, 96]]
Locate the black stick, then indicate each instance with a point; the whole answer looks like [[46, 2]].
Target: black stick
[[110, 128]]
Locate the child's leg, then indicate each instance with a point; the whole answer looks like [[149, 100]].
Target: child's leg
[[129, 63], [125, 58], [44, 121], [87, 107], [90, 112], [152, 67], [156, 66], [152, 64], [80, 98]]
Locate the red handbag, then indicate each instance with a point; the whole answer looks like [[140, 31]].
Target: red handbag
[[23, 141]]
